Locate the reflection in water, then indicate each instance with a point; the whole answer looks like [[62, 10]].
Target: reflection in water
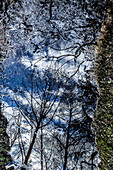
[[51, 96]]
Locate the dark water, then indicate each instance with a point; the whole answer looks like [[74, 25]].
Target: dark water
[[49, 51]]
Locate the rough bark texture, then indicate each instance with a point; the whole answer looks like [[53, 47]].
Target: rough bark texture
[[104, 116], [4, 143], [5, 158]]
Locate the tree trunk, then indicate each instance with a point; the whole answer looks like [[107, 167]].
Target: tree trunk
[[50, 9], [32, 144], [41, 148], [67, 142]]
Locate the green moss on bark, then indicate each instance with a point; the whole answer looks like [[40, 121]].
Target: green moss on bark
[[104, 115]]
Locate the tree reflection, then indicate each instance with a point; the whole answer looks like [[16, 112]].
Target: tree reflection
[[46, 73]]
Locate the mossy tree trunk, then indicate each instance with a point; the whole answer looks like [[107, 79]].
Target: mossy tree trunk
[[104, 115]]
